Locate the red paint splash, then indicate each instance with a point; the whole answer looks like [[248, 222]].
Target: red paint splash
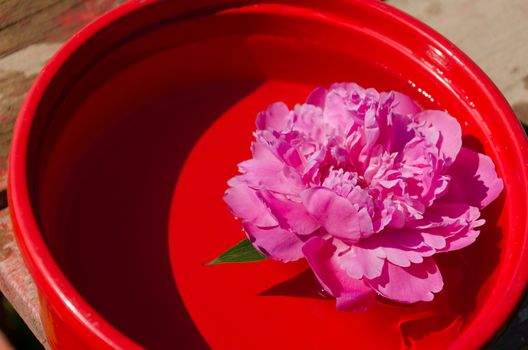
[[85, 12], [78, 16]]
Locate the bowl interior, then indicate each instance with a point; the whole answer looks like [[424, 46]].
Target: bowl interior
[[136, 137]]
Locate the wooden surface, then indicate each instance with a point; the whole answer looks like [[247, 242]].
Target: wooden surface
[[492, 32]]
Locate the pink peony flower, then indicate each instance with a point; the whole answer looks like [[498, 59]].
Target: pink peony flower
[[367, 188]]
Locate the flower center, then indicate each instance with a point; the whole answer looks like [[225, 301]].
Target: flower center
[[343, 182]]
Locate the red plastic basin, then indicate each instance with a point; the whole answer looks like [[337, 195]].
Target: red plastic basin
[[123, 147]]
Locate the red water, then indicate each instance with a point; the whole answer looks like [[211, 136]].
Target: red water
[[132, 206]]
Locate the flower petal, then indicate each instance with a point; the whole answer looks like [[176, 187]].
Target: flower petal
[[451, 134], [462, 240], [410, 284], [317, 97], [335, 213], [448, 226], [394, 117], [275, 242], [245, 204], [291, 215], [401, 247], [275, 117], [309, 123], [474, 180], [359, 262], [266, 171], [351, 294], [403, 104], [456, 224]]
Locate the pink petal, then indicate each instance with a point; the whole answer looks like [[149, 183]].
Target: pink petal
[[399, 134], [371, 134], [450, 131], [403, 104], [461, 240], [474, 180], [335, 213], [460, 228], [266, 171], [351, 294], [434, 241], [448, 226], [291, 215], [342, 102], [359, 262], [365, 223], [276, 145], [401, 247], [262, 152], [275, 242], [394, 124], [317, 97], [275, 117], [443, 215], [245, 204], [309, 122], [410, 284]]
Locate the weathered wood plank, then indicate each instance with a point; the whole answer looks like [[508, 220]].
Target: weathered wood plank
[[15, 281], [30, 33], [27, 22]]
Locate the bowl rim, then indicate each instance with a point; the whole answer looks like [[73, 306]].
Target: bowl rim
[[62, 296]]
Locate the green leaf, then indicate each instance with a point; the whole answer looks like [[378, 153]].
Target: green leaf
[[242, 252]]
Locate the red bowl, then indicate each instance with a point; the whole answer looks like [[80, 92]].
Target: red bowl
[[123, 146]]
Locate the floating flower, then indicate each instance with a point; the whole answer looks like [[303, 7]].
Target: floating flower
[[367, 187]]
